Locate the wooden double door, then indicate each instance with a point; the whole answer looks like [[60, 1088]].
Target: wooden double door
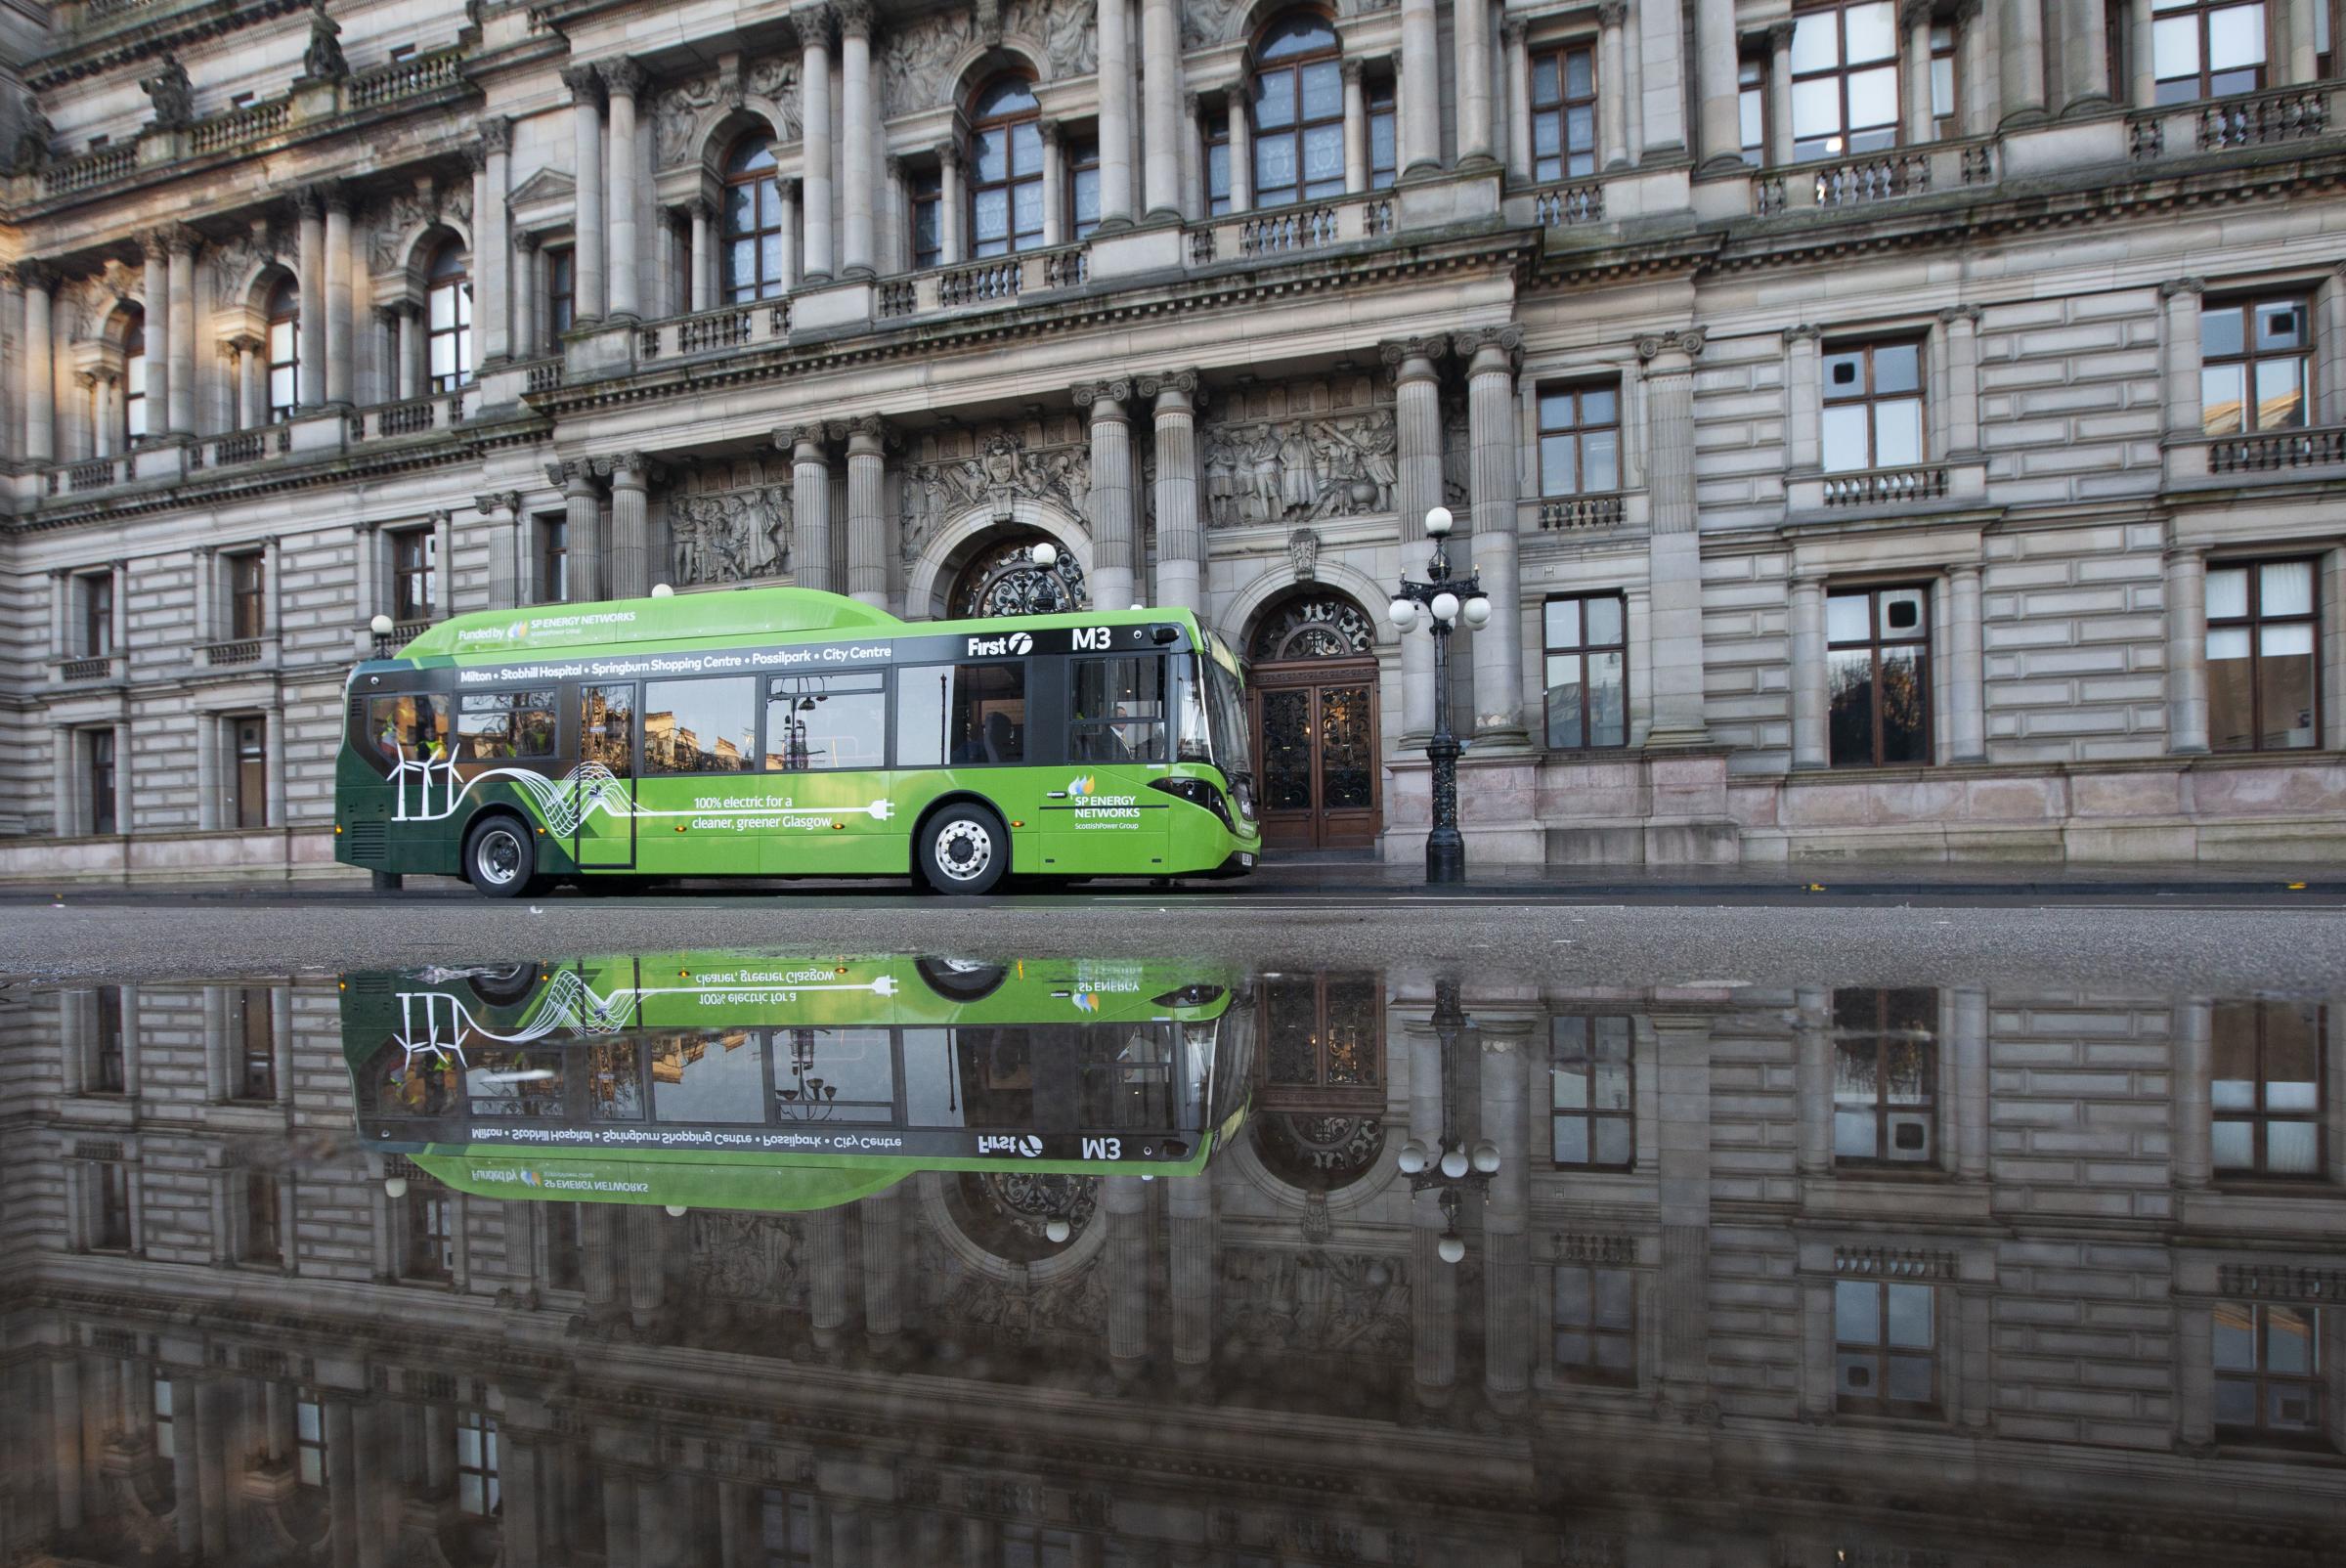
[[1316, 750]]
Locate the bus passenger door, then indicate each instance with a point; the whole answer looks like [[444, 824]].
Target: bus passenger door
[[1100, 816], [600, 797]]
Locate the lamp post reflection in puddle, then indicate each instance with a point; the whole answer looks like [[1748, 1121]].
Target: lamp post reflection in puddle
[[1454, 1170]]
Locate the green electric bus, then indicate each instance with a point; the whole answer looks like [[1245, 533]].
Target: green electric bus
[[741, 1080], [786, 733]]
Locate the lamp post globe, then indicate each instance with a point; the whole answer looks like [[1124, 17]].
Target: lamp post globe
[[1046, 555], [1404, 613], [1413, 1157], [1486, 1157], [1056, 1231], [1446, 608], [1477, 612], [1437, 522], [1450, 1248], [1454, 1163]]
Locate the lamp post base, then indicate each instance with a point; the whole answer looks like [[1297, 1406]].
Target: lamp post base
[[1445, 855]]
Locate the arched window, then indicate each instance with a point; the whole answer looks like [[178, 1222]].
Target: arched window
[[133, 378], [1006, 169], [449, 309], [284, 349], [753, 236], [1298, 112]]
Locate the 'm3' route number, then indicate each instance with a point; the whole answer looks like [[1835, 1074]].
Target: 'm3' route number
[[1103, 1148]]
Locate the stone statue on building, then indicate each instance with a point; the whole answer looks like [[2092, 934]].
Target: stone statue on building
[[173, 95], [323, 60]]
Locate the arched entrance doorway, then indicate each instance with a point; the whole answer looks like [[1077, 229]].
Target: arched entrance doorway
[[1315, 724], [1003, 578]]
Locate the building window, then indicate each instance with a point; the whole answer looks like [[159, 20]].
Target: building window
[[553, 559], [134, 380], [2265, 1092], [112, 1233], [263, 1215], [1579, 440], [109, 1054], [2253, 358], [478, 1492], [1751, 107], [1876, 652], [2206, 49], [786, 1530], [1218, 197], [1298, 112], [565, 1248], [1873, 407], [309, 1439], [429, 1243], [256, 1044], [167, 1436], [926, 195], [1006, 169], [1596, 1325], [1586, 671], [1590, 1071], [1564, 113], [2263, 688], [248, 595], [561, 292], [97, 758], [447, 311], [2268, 1364], [1384, 137], [1884, 1348], [96, 595], [1083, 187], [285, 350], [1885, 1078], [752, 237], [1942, 80], [1034, 1546], [415, 574], [1845, 80], [249, 736]]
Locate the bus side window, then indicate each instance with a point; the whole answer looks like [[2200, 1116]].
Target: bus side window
[[965, 715], [502, 726], [826, 722], [1118, 710], [412, 728]]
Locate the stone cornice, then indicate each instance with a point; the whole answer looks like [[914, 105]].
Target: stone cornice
[[153, 37]]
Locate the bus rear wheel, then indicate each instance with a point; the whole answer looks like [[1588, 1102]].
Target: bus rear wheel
[[964, 849], [500, 859]]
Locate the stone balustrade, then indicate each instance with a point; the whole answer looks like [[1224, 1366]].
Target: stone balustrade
[[1869, 181], [1575, 514], [1564, 205], [2276, 451], [1283, 231], [1886, 486], [90, 170], [994, 282], [2275, 117], [86, 671], [723, 330], [411, 416], [236, 653], [405, 78], [239, 127]]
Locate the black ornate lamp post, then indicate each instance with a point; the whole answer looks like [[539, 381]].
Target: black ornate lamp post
[[1440, 602], [1454, 1171]]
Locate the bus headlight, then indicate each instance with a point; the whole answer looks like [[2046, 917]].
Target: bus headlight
[[1241, 789], [1198, 793]]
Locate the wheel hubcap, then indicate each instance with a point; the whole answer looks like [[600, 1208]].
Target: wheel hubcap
[[964, 850], [499, 856]]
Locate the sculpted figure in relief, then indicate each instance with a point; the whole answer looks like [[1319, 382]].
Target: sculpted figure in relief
[[1300, 470]]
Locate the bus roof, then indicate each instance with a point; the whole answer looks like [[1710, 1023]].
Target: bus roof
[[734, 616]]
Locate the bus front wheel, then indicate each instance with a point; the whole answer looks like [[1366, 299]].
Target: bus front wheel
[[964, 849], [500, 859]]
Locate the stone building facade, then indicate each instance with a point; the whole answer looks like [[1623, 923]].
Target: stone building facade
[[1882, 429], [227, 1337]]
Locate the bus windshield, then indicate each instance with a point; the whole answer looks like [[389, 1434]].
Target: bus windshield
[[1226, 705]]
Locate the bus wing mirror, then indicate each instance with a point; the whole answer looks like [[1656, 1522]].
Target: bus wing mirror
[[1165, 634]]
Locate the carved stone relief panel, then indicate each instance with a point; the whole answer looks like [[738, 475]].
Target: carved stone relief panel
[[1297, 451], [730, 522], [1315, 1302], [956, 469], [915, 59], [684, 111]]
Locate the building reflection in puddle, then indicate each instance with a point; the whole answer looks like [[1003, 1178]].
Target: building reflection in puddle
[[756, 1259]]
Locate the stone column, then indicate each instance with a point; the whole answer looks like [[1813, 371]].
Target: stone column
[[1180, 536], [1507, 1266], [1807, 627], [1419, 90], [1124, 1210], [793, 260], [153, 251], [2140, 60], [882, 1219], [2021, 32], [1964, 1024], [827, 1273], [1115, 94], [1967, 677], [1612, 88], [2180, 358], [1433, 1305], [1055, 186], [530, 336], [814, 146], [1242, 144], [2084, 54], [1161, 105], [1194, 200], [1673, 551], [1803, 442], [186, 1478], [1812, 1079], [1715, 83], [1962, 322], [1356, 127], [622, 83], [507, 564], [867, 518], [1979, 65], [1470, 22], [1418, 418], [631, 526], [1776, 133], [953, 204], [2194, 1159], [310, 284], [64, 1432], [810, 507], [583, 517], [2186, 650], [585, 86], [1189, 1237], [704, 260], [1682, 1054], [93, 412], [1513, 31], [1914, 71], [492, 257], [1492, 420], [39, 390], [860, 158], [340, 262], [407, 355], [2305, 58], [1116, 577], [252, 365]]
